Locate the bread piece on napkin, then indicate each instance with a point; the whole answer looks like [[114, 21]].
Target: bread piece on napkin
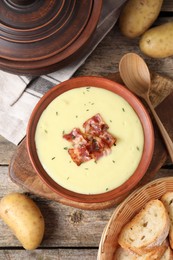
[[126, 254], [147, 230], [167, 200]]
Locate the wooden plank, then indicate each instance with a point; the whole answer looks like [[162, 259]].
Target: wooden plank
[[51, 254], [65, 226], [167, 6], [6, 151], [105, 59]]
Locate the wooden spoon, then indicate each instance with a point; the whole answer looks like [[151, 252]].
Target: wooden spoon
[[136, 76]]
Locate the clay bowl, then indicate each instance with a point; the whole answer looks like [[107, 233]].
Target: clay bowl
[[134, 103]]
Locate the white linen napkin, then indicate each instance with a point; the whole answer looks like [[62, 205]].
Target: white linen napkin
[[19, 94]]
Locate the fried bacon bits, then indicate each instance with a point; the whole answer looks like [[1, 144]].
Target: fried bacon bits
[[93, 143]]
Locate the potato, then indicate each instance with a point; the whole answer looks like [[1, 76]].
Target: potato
[[157, 42], [138, 15], [24, 218]]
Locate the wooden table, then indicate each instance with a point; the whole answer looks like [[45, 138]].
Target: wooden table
[[73, 233]]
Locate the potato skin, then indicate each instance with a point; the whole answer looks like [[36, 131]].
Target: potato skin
[[158, 41], [24, 218], [138, 15]]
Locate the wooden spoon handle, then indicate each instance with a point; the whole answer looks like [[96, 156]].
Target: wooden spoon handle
[[166, 137]]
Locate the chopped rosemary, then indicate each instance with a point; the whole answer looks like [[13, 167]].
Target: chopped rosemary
[[65, 148], [53, 158], [76, 116], [123, 109], [110, 121], [68, 178], [86, 168], [56, 113], [45, 131], [87, 109], [113, 161], [107, 189], [63, 132]]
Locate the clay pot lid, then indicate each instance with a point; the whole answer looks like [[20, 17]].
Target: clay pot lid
[[38, 36]]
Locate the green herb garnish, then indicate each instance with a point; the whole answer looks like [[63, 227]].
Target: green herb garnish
[[137, 147]]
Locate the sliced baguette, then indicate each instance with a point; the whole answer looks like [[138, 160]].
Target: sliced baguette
[[168, 255], [126, 254], [167, 200], [147, 230]]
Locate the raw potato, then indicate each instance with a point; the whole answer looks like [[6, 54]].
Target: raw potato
[[138, 15], [24, 218], [158, 41]]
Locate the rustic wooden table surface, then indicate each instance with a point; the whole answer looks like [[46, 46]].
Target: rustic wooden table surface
[[73, 233]]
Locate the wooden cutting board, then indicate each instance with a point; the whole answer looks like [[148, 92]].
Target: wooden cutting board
[[22, 173]]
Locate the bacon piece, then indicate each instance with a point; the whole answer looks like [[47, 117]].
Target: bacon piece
[[95, 125], [79, 155], [97, 148], [76, 137], [97, 155], [94, 143], [107, 138]]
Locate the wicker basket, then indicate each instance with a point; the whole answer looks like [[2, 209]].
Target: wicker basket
[[126, 210]]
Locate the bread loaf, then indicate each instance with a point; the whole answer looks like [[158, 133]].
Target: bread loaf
[[147, 230], [126, 254], [168, 255], [167, 200]]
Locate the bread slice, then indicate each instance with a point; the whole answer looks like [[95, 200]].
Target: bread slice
[[147, 230], [167, 200], [168, 255], [126, 254]]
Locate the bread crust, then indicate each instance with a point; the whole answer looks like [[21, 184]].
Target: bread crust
[[167, 200], [148, 230], [126, 254], [168, 254]]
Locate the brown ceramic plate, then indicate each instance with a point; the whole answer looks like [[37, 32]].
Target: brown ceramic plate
[[44, 45], [108, 85]]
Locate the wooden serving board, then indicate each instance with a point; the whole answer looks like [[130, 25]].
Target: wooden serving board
[[22, 173]]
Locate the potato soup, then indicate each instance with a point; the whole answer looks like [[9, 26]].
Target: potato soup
[[70, 110]]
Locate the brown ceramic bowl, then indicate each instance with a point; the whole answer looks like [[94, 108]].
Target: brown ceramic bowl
[[135, 104]]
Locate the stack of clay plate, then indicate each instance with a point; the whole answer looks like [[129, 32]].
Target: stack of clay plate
[[40, 36]]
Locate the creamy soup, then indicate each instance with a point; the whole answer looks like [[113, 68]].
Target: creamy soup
[[72, 109]]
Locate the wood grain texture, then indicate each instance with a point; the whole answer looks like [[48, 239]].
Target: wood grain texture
[[65, 226], [167, 6], [50, 254]]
